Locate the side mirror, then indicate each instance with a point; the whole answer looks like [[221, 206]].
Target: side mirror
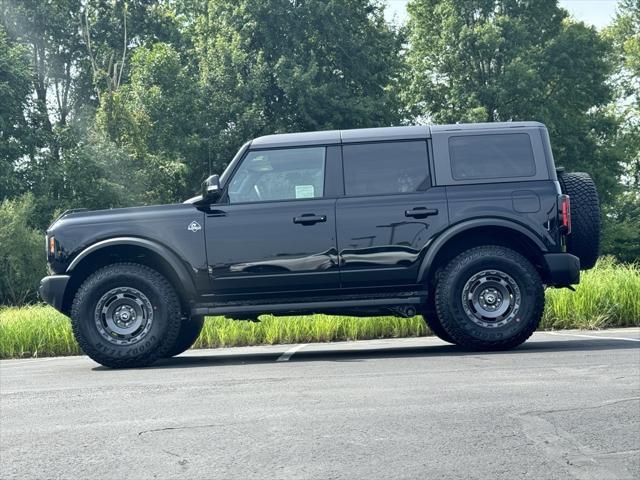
[[211, 188]]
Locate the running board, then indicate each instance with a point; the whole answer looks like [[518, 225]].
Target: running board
[[310, 307]]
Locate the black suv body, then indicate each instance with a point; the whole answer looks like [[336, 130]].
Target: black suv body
[[464, 224]]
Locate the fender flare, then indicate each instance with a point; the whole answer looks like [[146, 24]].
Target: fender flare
[[439, 242], [185, 285]]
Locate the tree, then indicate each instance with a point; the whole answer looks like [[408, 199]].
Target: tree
[[279, 65], [15, 85], [248, 68], [155, 117], [622, 217], [78, 51], [624, 33], [501, 60], [22, 261]]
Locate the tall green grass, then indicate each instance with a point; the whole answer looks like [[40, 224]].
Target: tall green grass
[[608, 296], [221, 332]]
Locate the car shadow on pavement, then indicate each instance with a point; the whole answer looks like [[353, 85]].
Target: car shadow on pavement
[[354, 352]]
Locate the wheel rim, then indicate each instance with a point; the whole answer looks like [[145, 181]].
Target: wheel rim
[[491, 298], [123, 316]]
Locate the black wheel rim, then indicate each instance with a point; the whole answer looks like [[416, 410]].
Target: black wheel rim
[[124, 316], [491, 298]]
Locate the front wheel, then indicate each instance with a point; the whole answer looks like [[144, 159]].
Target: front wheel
[[189, 332], [489, 298], [125, 315]]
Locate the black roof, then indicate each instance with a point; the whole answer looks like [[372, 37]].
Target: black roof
[[329, 137]]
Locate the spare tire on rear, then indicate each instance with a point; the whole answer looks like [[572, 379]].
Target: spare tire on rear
[[584, 239]]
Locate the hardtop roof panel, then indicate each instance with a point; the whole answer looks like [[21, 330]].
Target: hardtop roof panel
[[385, 133], [327, 137], [335, 137]]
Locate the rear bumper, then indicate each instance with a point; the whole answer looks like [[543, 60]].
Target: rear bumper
[[52, 290], [563, 269]]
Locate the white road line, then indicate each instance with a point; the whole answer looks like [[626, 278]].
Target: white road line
[[599, 337], [289, 353], [10, 362]]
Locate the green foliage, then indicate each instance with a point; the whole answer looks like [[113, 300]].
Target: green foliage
[[620, 236], [152, 117], [15, 85], [35, 331], [22, 258], [607, 297], [622, 215], [501, 60], [276, 65], [624, 34]]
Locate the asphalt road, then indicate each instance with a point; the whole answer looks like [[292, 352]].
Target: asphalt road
[[562, 406]]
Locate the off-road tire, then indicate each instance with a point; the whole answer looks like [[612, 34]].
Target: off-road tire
[[429, 313], [464, 328], [164, 312], [584, 239], [189, 332], [433, 322]]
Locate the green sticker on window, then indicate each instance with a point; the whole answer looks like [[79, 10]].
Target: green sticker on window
[[304, 191]]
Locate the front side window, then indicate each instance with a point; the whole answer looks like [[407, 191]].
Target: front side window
[[385, 168], [476, 157], [284, 174]]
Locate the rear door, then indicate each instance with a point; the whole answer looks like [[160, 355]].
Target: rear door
[[389, 213]]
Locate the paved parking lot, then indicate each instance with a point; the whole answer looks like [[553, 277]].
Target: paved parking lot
[[564, 405]]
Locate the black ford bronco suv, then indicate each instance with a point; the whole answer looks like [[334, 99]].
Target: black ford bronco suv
[[464, 224]]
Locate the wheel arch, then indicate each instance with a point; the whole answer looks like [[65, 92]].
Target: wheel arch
[[478, 232], [129, 249]]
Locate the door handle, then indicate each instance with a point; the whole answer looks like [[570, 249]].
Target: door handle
[[309, 219], [216, 213], [421, 212]]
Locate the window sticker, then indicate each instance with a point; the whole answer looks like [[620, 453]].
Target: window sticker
[[304, 191]]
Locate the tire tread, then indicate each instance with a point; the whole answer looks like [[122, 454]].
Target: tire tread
[[444, 289], [169, 297], [584, 239]]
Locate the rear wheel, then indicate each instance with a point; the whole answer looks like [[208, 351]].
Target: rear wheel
[[430, 317], [489, 298], [189, 332], [435, 326], [125, 315], [584, 239]]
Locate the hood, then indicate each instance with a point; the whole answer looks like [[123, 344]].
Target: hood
[[165, 224]]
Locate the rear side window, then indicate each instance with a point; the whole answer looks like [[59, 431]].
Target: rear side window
[[385, 168], [475, 157]]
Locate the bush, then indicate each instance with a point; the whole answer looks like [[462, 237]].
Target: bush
[[620, 228], [22, 254]]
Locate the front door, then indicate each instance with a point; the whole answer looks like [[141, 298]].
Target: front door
[[274, 230], [389, 213]]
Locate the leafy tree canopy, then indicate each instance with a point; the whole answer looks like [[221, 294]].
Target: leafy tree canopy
[[501, 60]]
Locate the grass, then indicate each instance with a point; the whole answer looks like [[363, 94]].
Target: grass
[[608, 296]]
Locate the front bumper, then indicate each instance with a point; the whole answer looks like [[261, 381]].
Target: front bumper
[[52, 290], [563, 269]]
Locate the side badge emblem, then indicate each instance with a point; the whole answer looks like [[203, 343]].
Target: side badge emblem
[[194, 226]]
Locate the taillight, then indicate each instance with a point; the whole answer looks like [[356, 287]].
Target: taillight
[[565, 211]]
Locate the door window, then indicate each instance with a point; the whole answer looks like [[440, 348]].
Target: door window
[[284, 174], [385, 168]]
